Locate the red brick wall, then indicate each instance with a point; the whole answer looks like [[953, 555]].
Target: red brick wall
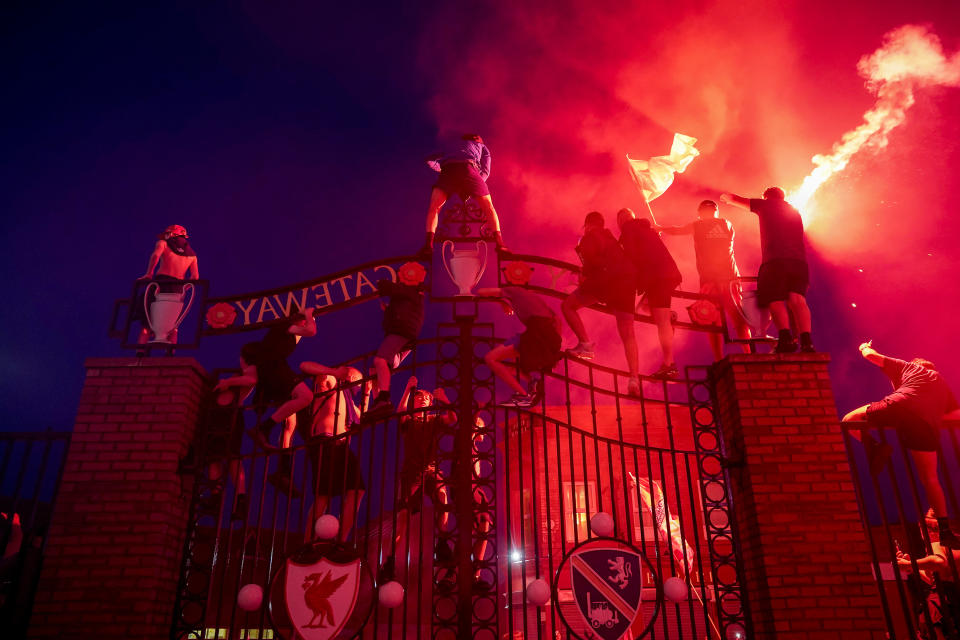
[[113, 552], [805, 565]]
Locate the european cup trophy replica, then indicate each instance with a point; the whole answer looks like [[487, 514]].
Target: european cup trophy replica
[[465, 266], [167, 311]]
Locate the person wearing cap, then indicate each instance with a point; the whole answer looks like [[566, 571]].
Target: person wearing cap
[[784, 277], [657, 277], [608, 277], [464, 166], [716, 266], [172, 261]]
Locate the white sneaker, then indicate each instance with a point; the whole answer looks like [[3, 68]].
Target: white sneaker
[[582, 350], [633, 387]]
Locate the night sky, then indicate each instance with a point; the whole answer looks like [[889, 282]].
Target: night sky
[[290, 139]]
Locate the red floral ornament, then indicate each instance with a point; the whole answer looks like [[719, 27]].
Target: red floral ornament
[[704, 312], [221, 315], [411, 273], [518, 272]]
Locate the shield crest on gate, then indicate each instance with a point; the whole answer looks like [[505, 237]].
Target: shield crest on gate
[[320, 597], [605, 578]]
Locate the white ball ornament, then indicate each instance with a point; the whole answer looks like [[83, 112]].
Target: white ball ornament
[[675, 589], [602, 524], [391, 594], [538, 592], [250, 597], [326, 527]]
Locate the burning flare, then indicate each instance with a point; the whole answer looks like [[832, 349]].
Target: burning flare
[[911, 58]]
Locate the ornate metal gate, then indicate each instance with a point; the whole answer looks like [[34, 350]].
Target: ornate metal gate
[[512, 497]]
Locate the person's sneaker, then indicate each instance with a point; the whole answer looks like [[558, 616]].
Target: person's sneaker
[[633, 388], [520, 400], [261, 438], [281, 481], [535, 388], [666, 372], [785, 346], [379, 410], [582, 350], [425, 252]]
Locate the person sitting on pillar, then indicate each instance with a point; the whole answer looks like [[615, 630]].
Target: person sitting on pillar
[[916, 410], [536, 349], [464, 166], [716, 266], [172, 261], [336, 470], [420, 477], [784, 277], [657, 276], [276, 383], [608, 277], [403, 315]]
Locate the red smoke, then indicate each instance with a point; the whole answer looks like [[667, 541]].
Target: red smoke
[[562, 91]]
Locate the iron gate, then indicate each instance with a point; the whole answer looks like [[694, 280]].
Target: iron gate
[[521, 488]]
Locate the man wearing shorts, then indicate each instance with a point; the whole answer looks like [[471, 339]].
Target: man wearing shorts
[[716, 266], [464, 166], [916, 409], [336, 470], [608, 277], [402, 322], [171, 262], [784, 278], [420, 477], [657, 277], [536, 349]]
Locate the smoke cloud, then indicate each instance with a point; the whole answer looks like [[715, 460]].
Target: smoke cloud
[[911, 58]]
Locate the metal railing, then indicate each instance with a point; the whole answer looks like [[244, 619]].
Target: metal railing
[[919, 593], [31, 465]]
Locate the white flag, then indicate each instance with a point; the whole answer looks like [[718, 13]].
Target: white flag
[[653, 176]]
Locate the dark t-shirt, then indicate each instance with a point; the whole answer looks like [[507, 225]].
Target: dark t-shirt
[[275, 378], [526, 304], [923, 391], [602, 257], [781, 230], [713, 245], [651, 260], [404, 313]]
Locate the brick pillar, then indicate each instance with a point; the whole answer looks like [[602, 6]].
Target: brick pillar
[[806, 566], [113, 553]]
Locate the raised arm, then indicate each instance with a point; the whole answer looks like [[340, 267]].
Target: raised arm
[[307, 328], [155, 258], [681, 230], [447, 415], [870, 354], [411, 385], [735, 200]]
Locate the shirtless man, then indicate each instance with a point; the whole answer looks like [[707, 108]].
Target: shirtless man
[[171, 260], [336, 470]]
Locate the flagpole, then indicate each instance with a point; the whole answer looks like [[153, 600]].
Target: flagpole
[[649, 209]]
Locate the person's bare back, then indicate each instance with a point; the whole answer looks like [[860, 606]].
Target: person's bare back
[[164, 261]]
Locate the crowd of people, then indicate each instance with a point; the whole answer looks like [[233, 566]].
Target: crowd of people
[[615, 269]]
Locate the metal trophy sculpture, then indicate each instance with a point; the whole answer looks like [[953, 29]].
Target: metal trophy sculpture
[[756, 316], [167, 310], [465, 266]]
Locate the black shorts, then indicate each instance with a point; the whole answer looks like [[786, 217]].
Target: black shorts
[[779, 278], [225, 428], [539, 345], [914, 433], [336, 469], [461, 178], [659, 295], [617, 293]]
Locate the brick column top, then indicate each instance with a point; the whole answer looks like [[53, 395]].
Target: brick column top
[[144, 363]]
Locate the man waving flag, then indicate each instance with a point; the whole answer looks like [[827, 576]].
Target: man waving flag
[[653, 176]]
